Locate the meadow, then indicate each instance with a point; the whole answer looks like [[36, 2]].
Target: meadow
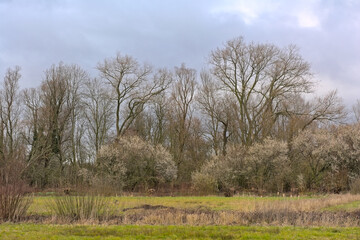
[[209, 217], [335, 202]]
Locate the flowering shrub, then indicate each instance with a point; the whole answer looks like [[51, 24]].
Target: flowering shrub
[[268, 165], [263, 166], [314, 155], [131, 162], [222, 172]]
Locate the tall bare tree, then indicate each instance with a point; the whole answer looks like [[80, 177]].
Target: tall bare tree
[[35, 137], [182, 97], [98, 111], [260, 76], [133, 87], [11, 147], [356, 110], [217, 105], [56, 130], [301, 114]]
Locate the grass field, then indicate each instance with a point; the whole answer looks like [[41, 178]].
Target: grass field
[[213, 217], [321, 210], [39, 205], [215, 203], [39, 232]]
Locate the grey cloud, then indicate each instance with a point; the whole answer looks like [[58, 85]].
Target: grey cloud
[[36, 34]]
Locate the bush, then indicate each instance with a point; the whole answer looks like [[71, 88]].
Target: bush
[[355, 186], [204, 183], [13, 201], [88, 207], [227, 171], [268, 165], [348, 140], [314, 155], [132, 163], [263, 167]]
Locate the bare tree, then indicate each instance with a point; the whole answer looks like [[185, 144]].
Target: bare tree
[[54, 128], [260, 76], [34, 134], [98, 111], [132, 87], [301, 114], [77, 79], [182, 97], [159, 115], [10, 145], [356, 110], [11, 106], [154, 122], [217, 106]]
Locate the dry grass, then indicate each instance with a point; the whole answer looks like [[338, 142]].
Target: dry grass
[[201, 217], [302, 204], [297, 211], [74, 208], [237, 203], [172, 216]]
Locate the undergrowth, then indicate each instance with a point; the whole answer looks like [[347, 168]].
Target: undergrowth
[[86, 207]]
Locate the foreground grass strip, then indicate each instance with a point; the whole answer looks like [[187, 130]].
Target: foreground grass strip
[[38, 232]]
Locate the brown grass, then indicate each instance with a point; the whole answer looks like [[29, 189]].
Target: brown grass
[[301, 204], [295, 211], [200, 217], [74, 208]]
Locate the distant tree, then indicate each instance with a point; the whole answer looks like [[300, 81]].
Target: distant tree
[[356, 110], [54, 114], [302, 114], [218, 108], [261, 77], [132, 86], [182, 100], [35, 137], [11, 145], [268, 84], [98, 113], [158, 115]]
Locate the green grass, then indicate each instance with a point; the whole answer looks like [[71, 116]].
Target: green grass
[[39, 232], [213, 203], [39, 205], [352, 206]]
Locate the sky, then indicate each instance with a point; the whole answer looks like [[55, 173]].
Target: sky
[[35, 34]]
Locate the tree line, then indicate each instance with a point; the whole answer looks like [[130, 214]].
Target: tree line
[[245, 122]]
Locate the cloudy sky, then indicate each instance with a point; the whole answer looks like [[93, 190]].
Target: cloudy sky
[[35, 34]]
